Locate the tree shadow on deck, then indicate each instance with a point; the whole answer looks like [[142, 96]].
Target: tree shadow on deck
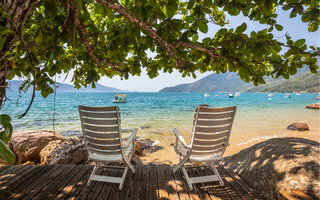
[[279, 165]]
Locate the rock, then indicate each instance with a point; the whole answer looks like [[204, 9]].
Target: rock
[[27, 144], [45, 154], [146, 146], [70, 151], [135, 160], [298, 126], [144, 127], [280, 164], [314, 106]]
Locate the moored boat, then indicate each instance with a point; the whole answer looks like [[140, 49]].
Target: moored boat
[[230, 95], [206, 94], [237, 94], [270, 94], [287, 96], [120, 98]]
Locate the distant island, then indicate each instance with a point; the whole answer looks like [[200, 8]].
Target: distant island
[[303, 81], [62, 87]]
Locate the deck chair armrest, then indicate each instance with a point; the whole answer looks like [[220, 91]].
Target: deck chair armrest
[[180, 138], [131, 137]]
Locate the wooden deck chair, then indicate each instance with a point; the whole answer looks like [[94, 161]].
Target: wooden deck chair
[[102, 135], [210, 138]]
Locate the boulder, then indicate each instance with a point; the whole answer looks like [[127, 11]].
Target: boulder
[[45, 154], [70, 151], [27, 145], [314, 106], [298, 126], [279, 166], [146, 146]]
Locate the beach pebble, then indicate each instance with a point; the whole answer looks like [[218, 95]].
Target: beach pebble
[[27, 145], [144, 127], [314, 106], [298, 126]]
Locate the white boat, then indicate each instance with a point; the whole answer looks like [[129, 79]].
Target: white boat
[[120, 98], [270, 95], [237, 94], [230, 95], [206, 95], [287, 96], [298, 93]]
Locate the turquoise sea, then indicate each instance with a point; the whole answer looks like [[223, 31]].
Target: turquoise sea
[[157, 113]]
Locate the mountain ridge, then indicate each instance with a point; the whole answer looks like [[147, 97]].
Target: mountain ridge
[[14, 85]]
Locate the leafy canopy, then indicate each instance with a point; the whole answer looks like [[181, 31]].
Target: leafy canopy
[[109, 38]]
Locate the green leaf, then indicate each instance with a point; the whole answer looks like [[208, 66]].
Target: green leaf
[[170, 11], [4, 30], [299, 43], [190, 4], [241, 28], [279, 27], [5, 119], [6, 154], [203, 27]]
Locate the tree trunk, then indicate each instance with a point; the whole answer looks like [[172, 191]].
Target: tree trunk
[[15, 14]]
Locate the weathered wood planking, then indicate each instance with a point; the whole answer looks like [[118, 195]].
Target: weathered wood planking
[[149, 182]]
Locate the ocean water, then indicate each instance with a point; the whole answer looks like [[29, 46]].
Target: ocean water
[[157, 113]]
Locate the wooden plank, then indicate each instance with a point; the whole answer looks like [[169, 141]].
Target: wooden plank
[[3, 168], [228, 188], [64, 193], [114, 193], [107, 187], [208, 186], [215, 136], [87, 189], [205, 153], [100, 121], [163, 193], [182, 187], [105, 153], [207, 147], [53, 189], [135, 191], [214, 122], [18, 188], [94, 128], [99, 115], [104, 147], [128, 184], [98, 186], [243, 194], [15, 171], [215, 116], [212, 129], [25, 171], [109, 108], [44, 181], [171, 183], [209, 142], [209, 109], [102, 141], [145, 182], [221, 193], [197, 186], [244, 185], [101, 135], [153, 190]]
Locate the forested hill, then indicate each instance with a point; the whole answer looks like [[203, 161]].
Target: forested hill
[[62, 87], [231, 82]]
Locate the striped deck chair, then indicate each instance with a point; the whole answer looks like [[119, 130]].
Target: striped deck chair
[[101, 129], [210, 138]]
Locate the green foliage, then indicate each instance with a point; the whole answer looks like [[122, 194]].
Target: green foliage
[[5, 135], [57, 47]]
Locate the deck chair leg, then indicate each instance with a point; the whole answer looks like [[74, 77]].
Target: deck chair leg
[[92, 174], [216, 173], [187, 177], [180, 164], [123, 178], [129, 164]]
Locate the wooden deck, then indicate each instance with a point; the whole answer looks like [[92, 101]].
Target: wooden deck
[[149, 182]]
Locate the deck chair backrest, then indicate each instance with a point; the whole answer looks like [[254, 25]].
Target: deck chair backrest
[[101, 130], [211, 130]]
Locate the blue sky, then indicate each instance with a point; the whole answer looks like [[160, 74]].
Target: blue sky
[[294, 27]]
